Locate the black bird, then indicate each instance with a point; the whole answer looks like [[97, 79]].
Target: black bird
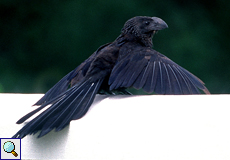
[[127, 62]]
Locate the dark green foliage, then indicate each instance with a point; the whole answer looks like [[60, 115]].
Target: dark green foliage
[[41, 41]]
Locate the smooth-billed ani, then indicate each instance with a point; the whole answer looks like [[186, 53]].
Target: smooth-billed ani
[[127, 62]]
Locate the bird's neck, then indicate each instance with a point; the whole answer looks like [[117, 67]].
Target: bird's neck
[[144, 41], [147, 41]]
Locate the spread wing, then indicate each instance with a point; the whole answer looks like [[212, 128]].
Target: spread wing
[[154, 72]]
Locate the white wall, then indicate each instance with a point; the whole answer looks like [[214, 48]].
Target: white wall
[[130, 127]]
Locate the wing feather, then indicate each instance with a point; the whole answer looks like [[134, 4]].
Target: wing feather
[[168, 87], [148, 84], [154, 72], [176, 87], [141, 75], [183, 82], [193, 88], [136, 70]]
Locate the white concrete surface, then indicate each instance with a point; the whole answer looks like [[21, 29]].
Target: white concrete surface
[[130, 128]]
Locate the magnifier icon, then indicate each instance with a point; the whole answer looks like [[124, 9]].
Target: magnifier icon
[[9, 147]]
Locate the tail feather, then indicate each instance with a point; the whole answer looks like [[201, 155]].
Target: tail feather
[[79, 110], [56, 90], [72, 105], [52, 101]]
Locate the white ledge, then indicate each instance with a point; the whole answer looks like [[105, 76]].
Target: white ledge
[[130, 127]]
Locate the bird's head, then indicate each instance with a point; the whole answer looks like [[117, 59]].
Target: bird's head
[[143, 28]]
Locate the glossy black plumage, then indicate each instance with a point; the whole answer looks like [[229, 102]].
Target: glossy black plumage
[[127, 62], [148, 69]]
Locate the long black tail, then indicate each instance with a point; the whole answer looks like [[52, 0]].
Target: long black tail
[[72, 104], [56, 90]]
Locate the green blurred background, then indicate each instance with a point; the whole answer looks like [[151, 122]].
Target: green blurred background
[[41, 41]]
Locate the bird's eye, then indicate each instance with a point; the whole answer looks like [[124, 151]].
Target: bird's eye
[[147, 22]]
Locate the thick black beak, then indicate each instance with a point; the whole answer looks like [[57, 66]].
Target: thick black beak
[[159, 24]]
